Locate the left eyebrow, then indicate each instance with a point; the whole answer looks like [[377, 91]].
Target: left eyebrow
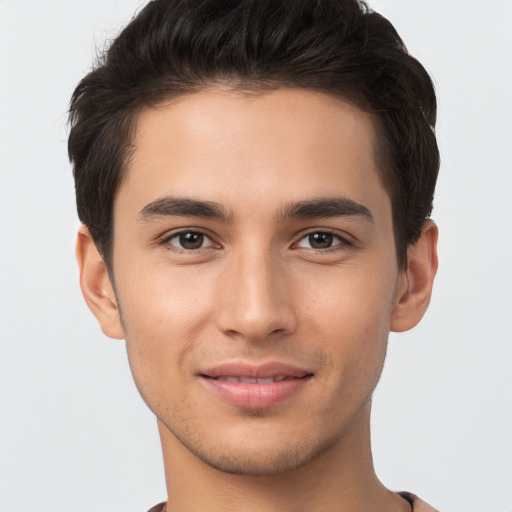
[[325, 207]]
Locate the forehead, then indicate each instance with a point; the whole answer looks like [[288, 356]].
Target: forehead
[[282, 144]]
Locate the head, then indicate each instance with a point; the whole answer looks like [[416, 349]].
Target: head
[[255, 179], [339, 47]]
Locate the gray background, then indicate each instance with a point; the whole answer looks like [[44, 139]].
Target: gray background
[[74, 434]]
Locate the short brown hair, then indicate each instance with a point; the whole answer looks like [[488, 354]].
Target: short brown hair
[[173, 47]]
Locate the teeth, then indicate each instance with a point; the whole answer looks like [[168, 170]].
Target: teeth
[[250, 380], [247, 380]]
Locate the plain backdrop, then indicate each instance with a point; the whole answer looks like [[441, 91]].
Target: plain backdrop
[[75, 435]]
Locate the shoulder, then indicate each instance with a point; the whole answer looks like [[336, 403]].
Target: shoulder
[[417, 504], [158, 508]]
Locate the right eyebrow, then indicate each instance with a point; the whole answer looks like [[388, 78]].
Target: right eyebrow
[[169, 206], [325, 207]]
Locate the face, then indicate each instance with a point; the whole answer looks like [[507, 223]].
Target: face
[[256, 273]]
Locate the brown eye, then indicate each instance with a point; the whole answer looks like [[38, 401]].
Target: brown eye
[[320, 240], [189, 240]]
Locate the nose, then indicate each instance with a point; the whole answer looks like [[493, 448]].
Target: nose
[[255, 298]]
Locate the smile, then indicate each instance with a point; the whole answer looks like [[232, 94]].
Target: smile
[[255, 386], [251, 380]]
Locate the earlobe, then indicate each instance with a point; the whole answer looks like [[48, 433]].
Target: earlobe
[[96, 287], [415, 287]]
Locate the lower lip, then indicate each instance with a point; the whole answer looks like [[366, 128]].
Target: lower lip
[[254, 395]]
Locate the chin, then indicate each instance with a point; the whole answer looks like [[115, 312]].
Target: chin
[[256, 464], [259, 456]]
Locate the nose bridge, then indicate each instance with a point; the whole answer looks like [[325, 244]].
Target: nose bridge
[[255, 301]]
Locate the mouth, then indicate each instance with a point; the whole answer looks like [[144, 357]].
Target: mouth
[[252, 380], [255, 386]]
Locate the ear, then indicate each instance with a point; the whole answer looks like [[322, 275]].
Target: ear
[[96, 287], [415, 284]]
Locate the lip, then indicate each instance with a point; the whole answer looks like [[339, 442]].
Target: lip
[[291, 380]]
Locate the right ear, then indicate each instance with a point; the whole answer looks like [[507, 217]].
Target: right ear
[[96, 287]]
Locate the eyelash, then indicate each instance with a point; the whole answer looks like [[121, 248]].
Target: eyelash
[[343, 242], [166, 240]]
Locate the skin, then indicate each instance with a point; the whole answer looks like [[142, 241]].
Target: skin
[[258, 289]]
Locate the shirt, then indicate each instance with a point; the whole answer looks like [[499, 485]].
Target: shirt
[[416, 504]]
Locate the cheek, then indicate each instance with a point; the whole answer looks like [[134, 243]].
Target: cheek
[[348, 312], [163, 315], [355, 297], [164, 304]]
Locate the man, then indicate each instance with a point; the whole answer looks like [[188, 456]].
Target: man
[[255, 181]]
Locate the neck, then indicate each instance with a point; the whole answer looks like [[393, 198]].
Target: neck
[[341, 479]]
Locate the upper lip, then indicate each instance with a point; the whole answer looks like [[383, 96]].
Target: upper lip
[[255, 371]]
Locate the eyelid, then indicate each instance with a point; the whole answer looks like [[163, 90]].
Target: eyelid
[[345, 240], [169, 235]]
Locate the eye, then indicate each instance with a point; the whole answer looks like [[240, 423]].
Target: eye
[[189, 240], [321, 240]]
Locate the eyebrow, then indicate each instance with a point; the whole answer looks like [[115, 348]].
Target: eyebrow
[[175, 206], [325, 207]]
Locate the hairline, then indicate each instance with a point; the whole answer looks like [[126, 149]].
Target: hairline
[[254, 87]]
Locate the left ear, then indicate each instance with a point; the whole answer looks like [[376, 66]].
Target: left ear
[[415, 283]]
